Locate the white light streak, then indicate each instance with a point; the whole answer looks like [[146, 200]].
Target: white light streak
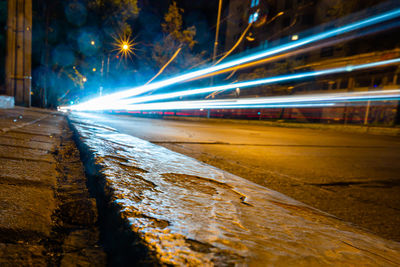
[[314, 100], [242, 85], [90, 105]]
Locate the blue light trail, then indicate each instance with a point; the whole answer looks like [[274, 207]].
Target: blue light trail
[[284, 78], [315, 100], [270, 52]]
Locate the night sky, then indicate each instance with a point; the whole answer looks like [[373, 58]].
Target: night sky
[[146, 27], [199, 13]]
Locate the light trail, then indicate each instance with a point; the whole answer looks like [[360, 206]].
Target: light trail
[[300, 51], [269, 52], [242, 85], [314, 100]]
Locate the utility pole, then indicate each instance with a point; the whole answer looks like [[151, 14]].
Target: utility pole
[[217, 30], [216, 44], [19, 51]]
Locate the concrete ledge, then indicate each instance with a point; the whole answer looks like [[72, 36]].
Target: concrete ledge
[[189, 213], [6, 101]]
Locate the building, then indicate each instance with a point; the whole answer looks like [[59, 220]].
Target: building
[[275, 22]]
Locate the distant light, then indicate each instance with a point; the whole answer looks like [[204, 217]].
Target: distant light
[[84, 79], [250, 38], [254, 3], [92, 42], [94, 69], [71, 102], [124, 46], [253, 17], [295, 37]]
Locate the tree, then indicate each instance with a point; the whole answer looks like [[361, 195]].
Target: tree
[[116, 13], [75, 34], [334, 9], [175, 37]]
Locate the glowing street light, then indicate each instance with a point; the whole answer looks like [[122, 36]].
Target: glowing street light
[[84, 79], [92, 42], [124, 46]]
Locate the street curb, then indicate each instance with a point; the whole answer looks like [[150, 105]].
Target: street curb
[[122, 245], [111, 165]]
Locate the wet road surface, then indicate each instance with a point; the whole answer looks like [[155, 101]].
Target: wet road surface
[[355, 177]]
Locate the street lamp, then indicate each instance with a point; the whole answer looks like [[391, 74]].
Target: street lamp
[[124, 46]]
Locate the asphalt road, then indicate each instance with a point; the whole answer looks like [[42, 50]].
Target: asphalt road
[[355, 177]]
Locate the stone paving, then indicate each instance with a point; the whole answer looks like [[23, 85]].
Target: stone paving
[[42, 188]]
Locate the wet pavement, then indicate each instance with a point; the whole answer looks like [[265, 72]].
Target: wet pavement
[[190, 213]]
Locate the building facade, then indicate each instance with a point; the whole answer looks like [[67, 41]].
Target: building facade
[[274, 22]]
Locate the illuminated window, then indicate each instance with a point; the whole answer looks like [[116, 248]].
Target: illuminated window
[[253, 17], [254, 3]]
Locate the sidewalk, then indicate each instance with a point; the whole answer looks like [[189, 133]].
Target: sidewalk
[[46, 217]]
